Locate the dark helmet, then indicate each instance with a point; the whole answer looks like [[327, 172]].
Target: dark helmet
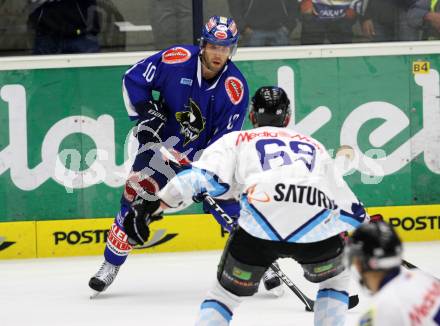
[[222, 31], [377, 246], [270, 107]]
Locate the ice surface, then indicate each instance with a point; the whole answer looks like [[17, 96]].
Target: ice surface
[[157, 289]]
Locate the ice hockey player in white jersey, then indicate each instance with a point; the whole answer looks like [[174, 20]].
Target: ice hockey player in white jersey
[[400, 297], [294, 203]]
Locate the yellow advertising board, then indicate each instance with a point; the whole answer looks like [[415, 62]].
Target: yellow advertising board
[[173, 233], [17, 240], [88, 236], [412, 223]]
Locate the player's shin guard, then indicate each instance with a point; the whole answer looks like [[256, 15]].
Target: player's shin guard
[[331, 304], [217, 309], [115, 253], [117, 247]]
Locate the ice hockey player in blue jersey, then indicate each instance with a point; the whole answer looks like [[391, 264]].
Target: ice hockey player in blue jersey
[[294, 204], [203, 96]]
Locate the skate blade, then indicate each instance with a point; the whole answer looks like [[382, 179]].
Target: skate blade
[[94, 294]]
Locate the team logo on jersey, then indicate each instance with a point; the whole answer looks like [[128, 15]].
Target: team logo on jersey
[[176, 55], [235, 90], [192, 122], [5, 244], [221, 35]]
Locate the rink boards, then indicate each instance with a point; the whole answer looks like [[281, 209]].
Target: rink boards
[[74, 151], [84, 237], [66, 145]]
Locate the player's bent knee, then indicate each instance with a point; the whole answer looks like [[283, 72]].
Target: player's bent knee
[[239, 278], [319, 272]]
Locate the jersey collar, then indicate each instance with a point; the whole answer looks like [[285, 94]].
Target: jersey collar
[[389, 276], [199, 74]]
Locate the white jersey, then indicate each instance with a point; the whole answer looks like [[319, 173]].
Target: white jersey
[[328, 9], [412, 298], [287, 184]]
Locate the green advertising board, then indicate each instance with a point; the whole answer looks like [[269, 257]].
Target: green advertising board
[[64, 131]]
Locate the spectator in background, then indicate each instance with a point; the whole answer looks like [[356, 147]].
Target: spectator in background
[[265, 23], [64, 26], [322, 20], [386, 20], [425, 16], [171, 22]]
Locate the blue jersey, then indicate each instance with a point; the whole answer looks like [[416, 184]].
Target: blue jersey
[[199, 111]]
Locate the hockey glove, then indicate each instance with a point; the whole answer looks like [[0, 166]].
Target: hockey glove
[[139, 216], [151, 122]]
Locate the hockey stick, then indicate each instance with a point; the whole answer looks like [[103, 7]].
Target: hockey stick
[[408, 265], [211, 202], [378, 217], [309, 303]]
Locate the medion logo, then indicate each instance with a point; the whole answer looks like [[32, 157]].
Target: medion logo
[[5, 244], [100, 236]]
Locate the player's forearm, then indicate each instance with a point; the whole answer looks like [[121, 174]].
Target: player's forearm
[[179, 192]]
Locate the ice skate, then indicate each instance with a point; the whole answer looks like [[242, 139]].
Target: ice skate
[[272, 283], [103, 278]]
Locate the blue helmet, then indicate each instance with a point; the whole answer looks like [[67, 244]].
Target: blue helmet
[[220, 30]]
